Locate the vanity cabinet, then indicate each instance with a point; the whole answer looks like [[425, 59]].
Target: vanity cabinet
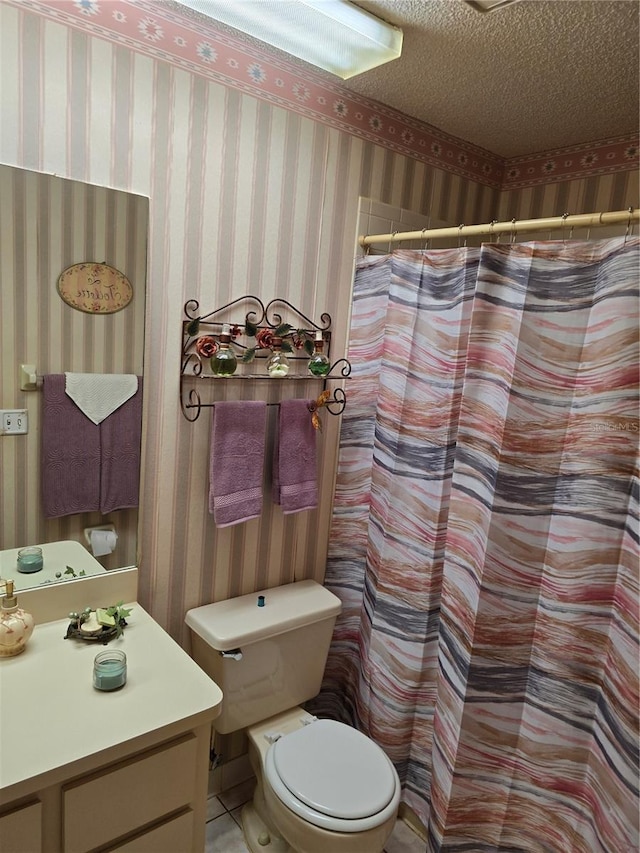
[[153, 801], [172, 835], [83, 771], [21, 829]]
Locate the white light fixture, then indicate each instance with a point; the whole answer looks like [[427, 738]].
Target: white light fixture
[[330, 34], [489, 5]]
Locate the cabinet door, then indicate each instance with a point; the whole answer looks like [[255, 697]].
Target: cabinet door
[[21, 829], [128, 796], [173, 836]]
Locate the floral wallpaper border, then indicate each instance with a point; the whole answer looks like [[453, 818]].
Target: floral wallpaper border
[[148, 27], [577, 161]]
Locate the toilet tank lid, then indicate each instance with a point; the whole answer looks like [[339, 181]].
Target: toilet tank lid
[[239, 621]]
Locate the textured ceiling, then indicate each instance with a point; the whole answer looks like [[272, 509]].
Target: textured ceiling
[[532, 76]]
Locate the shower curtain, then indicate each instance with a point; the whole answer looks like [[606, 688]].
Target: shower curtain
[[485, 541]]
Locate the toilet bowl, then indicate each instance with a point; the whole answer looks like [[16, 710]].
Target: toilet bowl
[[322, 786]]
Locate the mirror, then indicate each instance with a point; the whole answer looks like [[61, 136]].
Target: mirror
[[48, 224]]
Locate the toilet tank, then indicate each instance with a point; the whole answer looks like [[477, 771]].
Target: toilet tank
[[265, 659]]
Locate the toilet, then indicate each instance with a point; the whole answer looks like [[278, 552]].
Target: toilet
[[322, 786]]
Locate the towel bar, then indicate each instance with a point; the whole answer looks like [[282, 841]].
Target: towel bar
[[334, 405]]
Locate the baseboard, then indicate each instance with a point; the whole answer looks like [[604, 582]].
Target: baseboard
[[407, 814], [229, 774]]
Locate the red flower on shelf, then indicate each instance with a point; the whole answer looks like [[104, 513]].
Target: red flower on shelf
[[206, 346], [264, 338]]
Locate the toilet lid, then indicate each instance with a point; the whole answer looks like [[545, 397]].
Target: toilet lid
[[335, 770]]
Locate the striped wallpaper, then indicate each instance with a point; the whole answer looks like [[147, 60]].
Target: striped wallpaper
[[246, 196], [198, 44], [46, 225]]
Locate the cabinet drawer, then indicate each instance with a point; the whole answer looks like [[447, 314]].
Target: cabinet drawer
[[126, 796], [173, 836], [21, 829]]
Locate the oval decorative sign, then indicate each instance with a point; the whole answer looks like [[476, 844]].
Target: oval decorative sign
[[95, 288]]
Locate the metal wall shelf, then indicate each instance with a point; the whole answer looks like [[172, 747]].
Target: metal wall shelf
[[274, 316]]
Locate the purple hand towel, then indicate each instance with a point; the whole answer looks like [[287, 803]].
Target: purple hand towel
[[238, 434], [70, 454], [120, 442], [295, 479]]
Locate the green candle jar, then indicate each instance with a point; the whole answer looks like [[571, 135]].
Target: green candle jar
[[110, 670], [30, 560]]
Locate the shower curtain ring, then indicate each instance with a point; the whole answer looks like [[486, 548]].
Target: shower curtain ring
[[598, 223], [629, 226], [513, 231], [425, 247], [393, 234], [491, 224], [564, 222], [460, 227]]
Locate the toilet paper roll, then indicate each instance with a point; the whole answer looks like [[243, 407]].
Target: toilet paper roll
[[103, 542]]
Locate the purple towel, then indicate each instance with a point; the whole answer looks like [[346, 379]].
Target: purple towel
[[238, 433], [70, 458], [120, 441], [295, 479], [88, 467]]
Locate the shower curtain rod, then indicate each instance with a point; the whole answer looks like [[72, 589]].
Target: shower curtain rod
[[580, 220]]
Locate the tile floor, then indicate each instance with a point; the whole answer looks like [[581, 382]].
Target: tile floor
[[224, 834]]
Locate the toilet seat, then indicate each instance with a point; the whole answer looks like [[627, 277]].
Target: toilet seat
[[333, 777]]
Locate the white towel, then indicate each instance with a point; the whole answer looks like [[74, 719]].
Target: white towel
[[99, 394]]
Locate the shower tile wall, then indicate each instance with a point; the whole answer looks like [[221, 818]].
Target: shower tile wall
[[376, 217]]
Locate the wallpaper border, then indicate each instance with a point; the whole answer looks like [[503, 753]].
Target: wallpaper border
[[160, 32]]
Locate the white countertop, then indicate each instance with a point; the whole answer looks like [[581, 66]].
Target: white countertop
[[57, 557], [51, 715]]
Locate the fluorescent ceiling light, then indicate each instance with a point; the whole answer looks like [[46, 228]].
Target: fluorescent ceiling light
[[489, 5], [330, 34]]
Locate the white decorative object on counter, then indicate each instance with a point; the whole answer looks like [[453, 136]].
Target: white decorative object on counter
[[16, 625]]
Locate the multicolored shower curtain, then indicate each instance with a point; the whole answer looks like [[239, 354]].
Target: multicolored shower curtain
[[485, 541]]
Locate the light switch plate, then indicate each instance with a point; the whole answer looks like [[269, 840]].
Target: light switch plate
[[14, 422]]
